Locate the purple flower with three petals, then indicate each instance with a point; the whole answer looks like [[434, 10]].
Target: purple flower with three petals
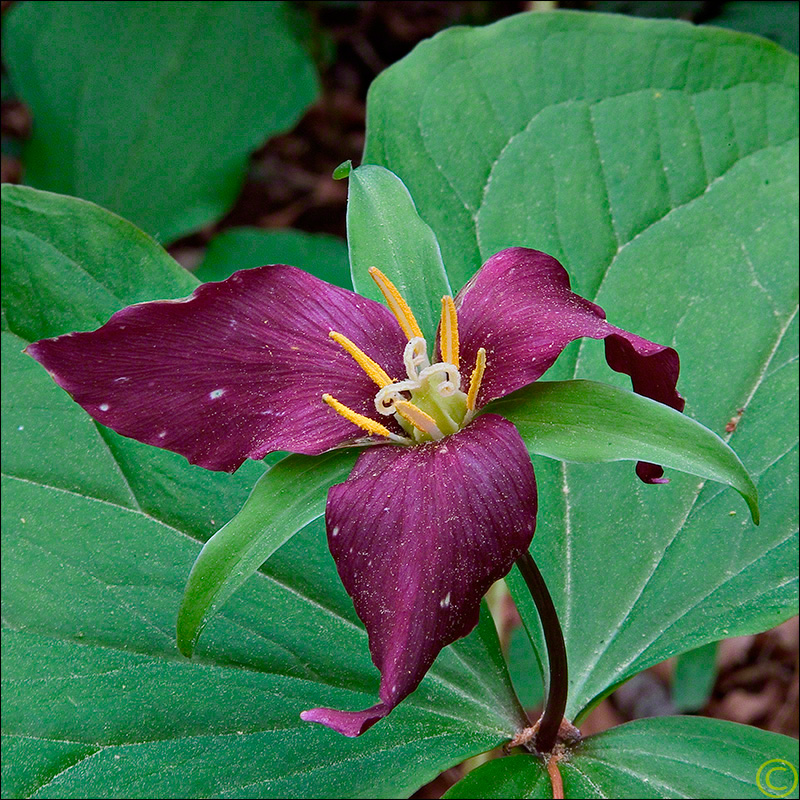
[[442, 499]]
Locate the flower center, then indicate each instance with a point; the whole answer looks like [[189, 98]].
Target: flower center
[[429, 403]]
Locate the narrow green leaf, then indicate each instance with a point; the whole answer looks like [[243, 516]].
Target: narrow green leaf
[[693, 677], [284, 500], [385, 231], [128, 113], [652, 758], [591, 422]]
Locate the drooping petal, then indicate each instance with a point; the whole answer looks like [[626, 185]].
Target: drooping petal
[[234, 371], [419, 534], [519, 307]]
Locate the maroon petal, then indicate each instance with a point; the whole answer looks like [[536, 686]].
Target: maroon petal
[[419, 534], [234, 371], [519, 307]]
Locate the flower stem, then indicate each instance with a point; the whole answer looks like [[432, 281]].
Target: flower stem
[[550, 722]]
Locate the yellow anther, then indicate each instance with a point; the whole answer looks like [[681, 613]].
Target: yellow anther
[[372, 369], [365, 423], [448, 332], [397, 304], [419, 419], [475, 380]]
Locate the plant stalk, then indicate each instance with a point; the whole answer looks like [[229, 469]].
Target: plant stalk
[[550, 722]]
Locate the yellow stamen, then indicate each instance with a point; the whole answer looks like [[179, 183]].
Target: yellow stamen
[[475, 380], [419, 419], [397, 304], [372, 369], [448, 332], [365, 423]]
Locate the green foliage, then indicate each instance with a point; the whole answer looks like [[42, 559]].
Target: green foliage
[[283, 502], [693, 677], [658, 162], [152, 109], [241, 248], [648, 758], [775, 20], [99, 535], [525, 670]]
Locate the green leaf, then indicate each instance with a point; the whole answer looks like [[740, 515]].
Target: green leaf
[[241, 248], [99, 536], [283, 502], [525, 670], [385, 231], [777, 21], [659, 757], [591, 422], [152, 110], [658, 162], [693, 678]]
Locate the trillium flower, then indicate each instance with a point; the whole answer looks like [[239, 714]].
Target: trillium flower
[[442, 499]]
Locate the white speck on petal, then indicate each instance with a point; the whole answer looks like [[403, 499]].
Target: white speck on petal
[[445, 602], [121, 379], [162, 434], [335, 531], [216, 393], [103, 406]]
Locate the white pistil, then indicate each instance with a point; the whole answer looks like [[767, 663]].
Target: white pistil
[[419, 419]]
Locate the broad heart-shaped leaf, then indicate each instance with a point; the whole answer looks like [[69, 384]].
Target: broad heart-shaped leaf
[[283, 502], [241, 248], [659, 757], [591, 422], [129, 113], [385, 231], [658, 162], [99, 535]]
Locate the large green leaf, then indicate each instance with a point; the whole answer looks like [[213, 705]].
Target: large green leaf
[[592, 422], [662, 757], [152, 109], [240, 248], [99, 535], [385, 231], [658, 162]]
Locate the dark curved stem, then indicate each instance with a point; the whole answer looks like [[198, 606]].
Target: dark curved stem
[[556, 655]]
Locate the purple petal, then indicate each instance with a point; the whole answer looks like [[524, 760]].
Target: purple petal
[[234, 371], [519, 306], [419, 534]]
